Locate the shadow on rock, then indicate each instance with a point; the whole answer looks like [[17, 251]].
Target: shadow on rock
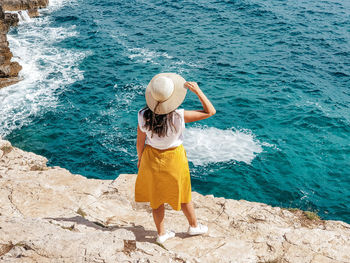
[[141, 234]]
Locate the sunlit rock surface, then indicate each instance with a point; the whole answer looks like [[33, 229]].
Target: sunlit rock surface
[[48, 214]]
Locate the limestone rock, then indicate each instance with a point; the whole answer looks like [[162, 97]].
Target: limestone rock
[[8, 69], [15, 5], [48, 214], [9, 81], [33, 12], [4, 144], [11, 19]]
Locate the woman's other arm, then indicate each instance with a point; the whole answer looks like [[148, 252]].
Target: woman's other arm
[[208, 108], [140, 144]]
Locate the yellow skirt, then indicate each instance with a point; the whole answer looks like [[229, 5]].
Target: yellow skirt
[[163, 177]]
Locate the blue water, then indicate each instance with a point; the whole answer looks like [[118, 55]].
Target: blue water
[[278, 73]]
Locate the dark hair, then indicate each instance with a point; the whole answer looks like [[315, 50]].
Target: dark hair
[[159, 123]]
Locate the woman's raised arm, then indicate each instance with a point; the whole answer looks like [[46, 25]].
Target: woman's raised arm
[[208, 108]]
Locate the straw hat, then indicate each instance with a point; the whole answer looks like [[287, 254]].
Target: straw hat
[[165, 92]]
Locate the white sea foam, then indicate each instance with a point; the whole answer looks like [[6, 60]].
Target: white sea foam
[[47, 69], [57, 4], [206, 145], [144, 55], [155, 57]]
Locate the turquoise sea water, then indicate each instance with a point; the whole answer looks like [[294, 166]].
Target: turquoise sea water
[[278, 73]]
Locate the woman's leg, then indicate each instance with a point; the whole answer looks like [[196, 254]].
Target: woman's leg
[[158, 217], [188, 210]]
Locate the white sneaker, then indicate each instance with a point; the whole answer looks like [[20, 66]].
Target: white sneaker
[[161, 239], [199, 230]]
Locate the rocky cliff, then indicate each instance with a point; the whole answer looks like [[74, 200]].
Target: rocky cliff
[[48, 214], [31, 5], [9, 70]]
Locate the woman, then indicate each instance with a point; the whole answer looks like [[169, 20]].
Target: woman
[[163, 175]]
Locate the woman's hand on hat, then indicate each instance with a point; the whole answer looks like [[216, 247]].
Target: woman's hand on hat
[[192, 86]]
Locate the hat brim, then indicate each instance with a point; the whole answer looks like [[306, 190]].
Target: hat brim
[[174, 101]]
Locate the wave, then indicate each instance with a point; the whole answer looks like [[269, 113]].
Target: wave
[[144, 55], [47, 69], [206, 145], [155, 57]]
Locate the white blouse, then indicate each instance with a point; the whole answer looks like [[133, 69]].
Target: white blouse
[[173, 138]]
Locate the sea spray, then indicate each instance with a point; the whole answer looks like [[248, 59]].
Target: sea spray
[[210, 145]]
